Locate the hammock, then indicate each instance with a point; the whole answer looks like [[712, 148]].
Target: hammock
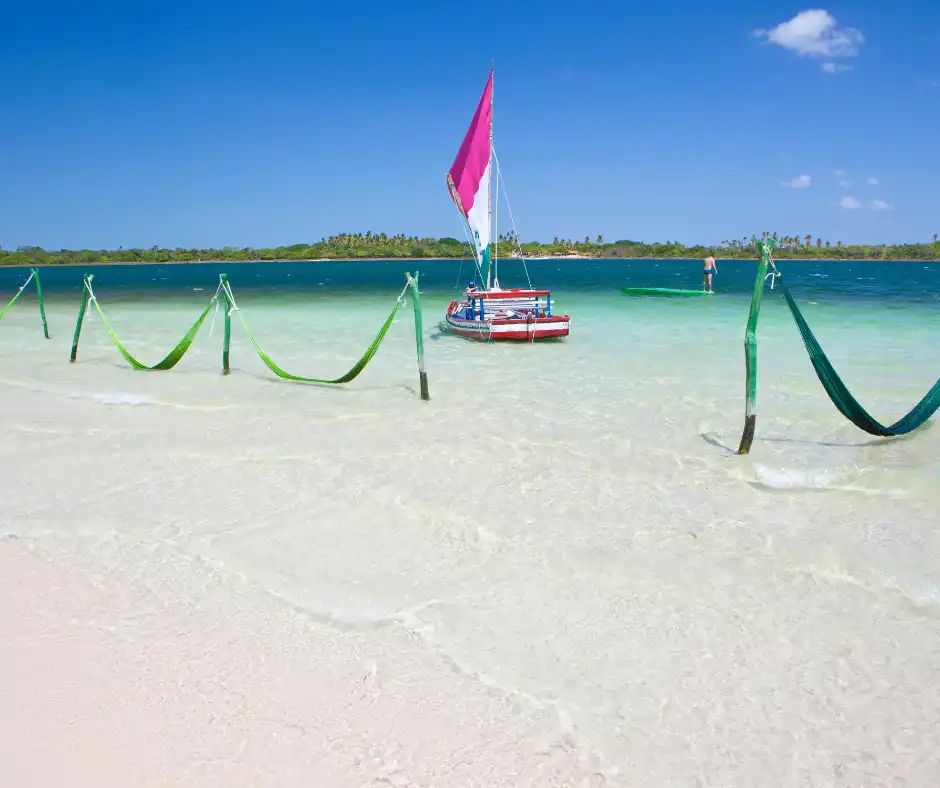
[[842, 398], [173, 357], [353, 372]]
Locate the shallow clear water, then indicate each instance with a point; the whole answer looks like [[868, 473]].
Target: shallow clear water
[[566, 522]]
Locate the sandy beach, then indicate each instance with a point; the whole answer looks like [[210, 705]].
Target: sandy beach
[[113, 683], [272, 523], [243, 582]]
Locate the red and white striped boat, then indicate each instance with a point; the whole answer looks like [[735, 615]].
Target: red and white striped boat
[[521, 315], [490, 312]]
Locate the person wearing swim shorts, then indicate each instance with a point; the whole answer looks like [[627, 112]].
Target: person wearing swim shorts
[[711, 267]]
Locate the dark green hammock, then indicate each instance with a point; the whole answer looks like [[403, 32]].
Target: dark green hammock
[[842, 397]]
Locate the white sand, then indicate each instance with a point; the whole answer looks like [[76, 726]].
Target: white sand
[[118, 688], [239, 582]]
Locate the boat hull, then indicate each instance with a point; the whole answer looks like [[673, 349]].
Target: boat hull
[[518, 330]]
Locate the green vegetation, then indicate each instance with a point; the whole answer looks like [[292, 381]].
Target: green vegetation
[[788, 247], [372, 245]]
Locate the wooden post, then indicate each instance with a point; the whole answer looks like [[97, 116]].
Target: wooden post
[[81, 316], [227, 334], [419, 336], [764, 249], [42, 308]]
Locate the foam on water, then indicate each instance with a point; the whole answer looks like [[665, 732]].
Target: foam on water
[[808, 478]]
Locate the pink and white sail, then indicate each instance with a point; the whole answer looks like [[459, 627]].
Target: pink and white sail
[[469, 176]]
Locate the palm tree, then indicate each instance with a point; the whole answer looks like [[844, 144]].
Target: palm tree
[[807, 239]]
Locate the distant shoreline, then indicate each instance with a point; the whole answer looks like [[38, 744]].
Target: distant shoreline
[[468, 260]]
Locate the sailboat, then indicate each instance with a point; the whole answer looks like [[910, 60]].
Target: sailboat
[[487, 311]]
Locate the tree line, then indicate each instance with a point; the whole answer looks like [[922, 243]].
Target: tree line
[[379, 245]]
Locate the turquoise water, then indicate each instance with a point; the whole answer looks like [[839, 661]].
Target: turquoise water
[[882, 281], [565, 524]]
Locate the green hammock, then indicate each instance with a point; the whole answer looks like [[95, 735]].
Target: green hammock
[[173, 357], [842, 397], [224, 292], [353, 372]]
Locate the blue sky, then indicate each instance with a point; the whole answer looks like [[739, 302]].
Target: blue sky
[[208, 123]]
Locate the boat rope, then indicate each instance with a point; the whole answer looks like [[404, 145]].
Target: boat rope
[[473, 251], [512, 221], [495, 241], [350, 375]]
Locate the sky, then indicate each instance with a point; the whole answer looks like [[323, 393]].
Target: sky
[[240, 123]]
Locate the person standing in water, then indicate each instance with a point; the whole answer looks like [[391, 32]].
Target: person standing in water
[[711, 267]]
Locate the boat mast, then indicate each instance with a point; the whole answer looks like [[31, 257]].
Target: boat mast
[[489, 190]]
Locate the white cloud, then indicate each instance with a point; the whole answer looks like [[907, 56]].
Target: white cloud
[[834, 68], [815, 33], [850, 203], [881, 205], [800, 182], [871, 181], [844, 182]]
